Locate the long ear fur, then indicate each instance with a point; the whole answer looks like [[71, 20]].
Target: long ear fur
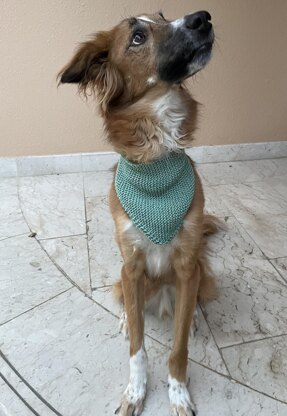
[[91, 69]]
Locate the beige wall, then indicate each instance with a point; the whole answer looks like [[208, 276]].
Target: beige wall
[[244, 89]]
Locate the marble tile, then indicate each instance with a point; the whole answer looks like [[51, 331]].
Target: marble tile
[[105, 258], [27, 277], [99, 161], [225, 173], [243, 172], [64, 347], [49, 165], [11, 218], [8, 167], [268, 168], [281, 266], [53, 205], [279, 183], [263, 213], [97, 183], [11, 404], [71, 254], [196, 153], [23, 390], [261, 365], [213, 202], [244, 151], [238, 152], [202, 347], [269, 233], [251, 302]]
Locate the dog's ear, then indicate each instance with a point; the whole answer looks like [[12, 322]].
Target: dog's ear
[[91, 68]]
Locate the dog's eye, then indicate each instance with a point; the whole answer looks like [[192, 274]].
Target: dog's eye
[[138, 38]]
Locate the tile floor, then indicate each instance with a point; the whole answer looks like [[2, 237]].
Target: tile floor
[[61, 353]]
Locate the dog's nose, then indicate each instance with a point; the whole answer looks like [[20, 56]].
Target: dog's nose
[[198, 21]]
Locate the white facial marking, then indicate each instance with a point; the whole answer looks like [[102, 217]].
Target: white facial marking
[[180, 401], [135, 392], [146, 19], [177, 23], [157, 256], [171, 113], [151, 81]]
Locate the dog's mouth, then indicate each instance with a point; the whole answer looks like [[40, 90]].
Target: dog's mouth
[[205, 48], [199, 58]]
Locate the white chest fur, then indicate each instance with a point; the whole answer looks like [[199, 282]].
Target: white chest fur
[[171, 112], [157, 256]]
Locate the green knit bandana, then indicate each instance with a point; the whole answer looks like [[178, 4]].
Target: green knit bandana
[[156, 195]]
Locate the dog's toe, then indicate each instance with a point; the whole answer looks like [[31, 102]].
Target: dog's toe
[[132, 401], [129, 409], [180, 400]]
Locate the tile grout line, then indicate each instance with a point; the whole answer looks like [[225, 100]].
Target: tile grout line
[[29, 385], [13, 236], [61, 236], [213, 337], [252, 341], [36, 306], [277, 258], [275, 268], [100, 287], [204, 317], [231, 379], [18, 395], [44, 250], [87, 233]]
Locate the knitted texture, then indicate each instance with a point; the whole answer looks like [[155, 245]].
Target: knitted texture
[[156, 195]]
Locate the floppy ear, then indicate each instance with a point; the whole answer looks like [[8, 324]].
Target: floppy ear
[[90, 68]]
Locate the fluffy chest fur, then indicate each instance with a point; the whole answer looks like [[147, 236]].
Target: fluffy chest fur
[[157, 257]]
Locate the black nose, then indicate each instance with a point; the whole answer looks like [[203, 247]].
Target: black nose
[[198, 21]]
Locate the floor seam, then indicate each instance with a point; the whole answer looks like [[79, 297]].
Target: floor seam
[[213, 337], [278, 271], [252, 341], [87, 233], [36, 306], [19, 395], [29, 385], [230, 378], [61, 236], [13, 236]]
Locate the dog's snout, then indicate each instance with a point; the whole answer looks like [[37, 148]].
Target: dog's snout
[[198, 21]]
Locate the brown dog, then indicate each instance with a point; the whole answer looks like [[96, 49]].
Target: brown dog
[[137, 71]]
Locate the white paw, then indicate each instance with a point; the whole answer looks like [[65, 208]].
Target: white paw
[[123, 325], [132, 400], [180, 401], [195, 324]]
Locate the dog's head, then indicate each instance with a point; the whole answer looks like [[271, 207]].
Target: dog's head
[[140, 53]]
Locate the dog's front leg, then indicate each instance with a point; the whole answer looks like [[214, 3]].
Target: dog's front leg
[[133, 288], [187, 284]]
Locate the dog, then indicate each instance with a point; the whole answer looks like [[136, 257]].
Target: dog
[[137, 71]]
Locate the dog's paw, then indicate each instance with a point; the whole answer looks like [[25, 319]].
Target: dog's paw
[[195, 324], [180, 401], [123, 325], [132, 400]]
